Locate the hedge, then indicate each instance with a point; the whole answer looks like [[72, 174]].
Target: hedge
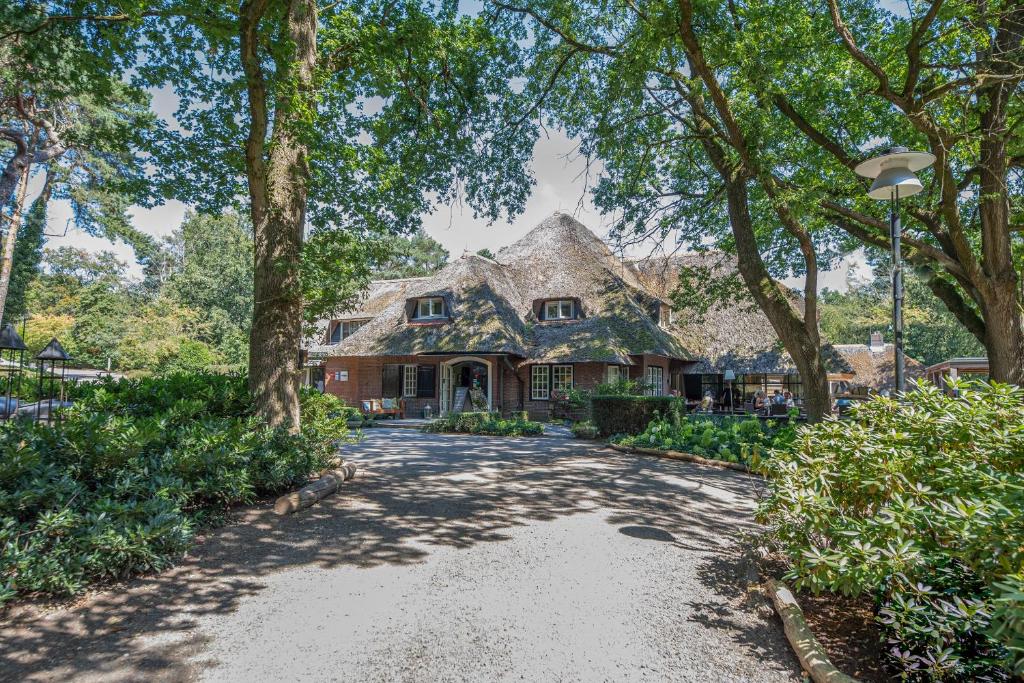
[[136, 467], [630, 414]]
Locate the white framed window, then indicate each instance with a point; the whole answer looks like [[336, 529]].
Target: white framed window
[[559, 309], [656, 381], [349, 327], [616, 373], [540, 383], [409, 380], [344, 329], [432, 307], [561, 377]]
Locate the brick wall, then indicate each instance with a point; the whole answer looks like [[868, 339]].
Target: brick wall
[[510, 393], [365, 377]]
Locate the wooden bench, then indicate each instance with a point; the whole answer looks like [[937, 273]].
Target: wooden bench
[[384, 407]]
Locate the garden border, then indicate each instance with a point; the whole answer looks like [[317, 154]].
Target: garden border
[[688, 457]]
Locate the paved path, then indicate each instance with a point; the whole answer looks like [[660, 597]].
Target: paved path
[[448, 558]]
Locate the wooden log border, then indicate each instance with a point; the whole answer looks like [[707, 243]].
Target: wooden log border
[[688, 457], [330, 481], [808, 650]]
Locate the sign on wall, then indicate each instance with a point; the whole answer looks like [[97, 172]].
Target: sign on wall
[[341, 375]]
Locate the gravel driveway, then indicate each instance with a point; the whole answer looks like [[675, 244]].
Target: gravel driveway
[[448, 558]]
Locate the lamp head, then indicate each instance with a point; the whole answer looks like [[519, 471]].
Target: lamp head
[[894, 171], [892, 179]]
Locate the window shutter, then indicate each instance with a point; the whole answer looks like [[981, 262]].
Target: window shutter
[[391, 381], [426, 381]]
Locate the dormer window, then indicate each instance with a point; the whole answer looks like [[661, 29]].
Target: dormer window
[[431, 307], [343, 329], [559, 309]]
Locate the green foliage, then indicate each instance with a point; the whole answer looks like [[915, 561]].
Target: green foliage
[[192, 311], [413, 256], [627, 414], [585, 430], [568, 403], [732, 439], [919, 504], [622, 387], [932, 333], [28, 254], [136, 467], [491, 424]]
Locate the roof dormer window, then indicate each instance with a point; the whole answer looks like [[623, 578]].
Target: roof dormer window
[[559, 309], [430, 307], [343, 329]]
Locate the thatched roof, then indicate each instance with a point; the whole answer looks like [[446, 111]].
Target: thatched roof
[[479, 296], [733, 335], [875, 369], [492, 305]]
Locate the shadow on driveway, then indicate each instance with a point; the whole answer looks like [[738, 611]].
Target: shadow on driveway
[[413, 491]]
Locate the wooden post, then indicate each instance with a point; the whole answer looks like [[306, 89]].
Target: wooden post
[[810, 652], [328, 483]]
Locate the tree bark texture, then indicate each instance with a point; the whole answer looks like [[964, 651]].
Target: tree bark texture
[[17, 165], [278, 177], [7, 263]]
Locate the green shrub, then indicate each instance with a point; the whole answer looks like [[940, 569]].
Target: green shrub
[[630, 414], [135, 468], [920, 504], [585, 430], [622, 387], [485, 423], [719, 437]]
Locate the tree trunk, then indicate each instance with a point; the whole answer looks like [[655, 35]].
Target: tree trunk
[[799, 335], [1004, 334], [17, 166], [10, 238], [278, 177]]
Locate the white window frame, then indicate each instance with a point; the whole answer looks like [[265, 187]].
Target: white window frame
[[425, 308], [336, 327], [562, 383], [540, 377], [656, 386], [559, 309], [615, 374], [350, 327], [409, 381]]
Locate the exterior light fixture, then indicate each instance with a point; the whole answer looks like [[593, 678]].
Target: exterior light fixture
[[893, 175], [730, 377], [12, 362]]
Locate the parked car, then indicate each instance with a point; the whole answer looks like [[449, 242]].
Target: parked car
[[40, 410], [8, 406]]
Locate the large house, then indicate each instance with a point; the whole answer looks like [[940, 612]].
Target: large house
[[552, 311]]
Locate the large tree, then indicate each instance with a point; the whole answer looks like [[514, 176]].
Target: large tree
[[687, 149], [335, 122], [66, 112], [852, 77], [413, 256]]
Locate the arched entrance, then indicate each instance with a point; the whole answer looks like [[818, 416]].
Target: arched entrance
[[467, 383]]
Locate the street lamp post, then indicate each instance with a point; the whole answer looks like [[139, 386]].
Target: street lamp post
[[893, 176]]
